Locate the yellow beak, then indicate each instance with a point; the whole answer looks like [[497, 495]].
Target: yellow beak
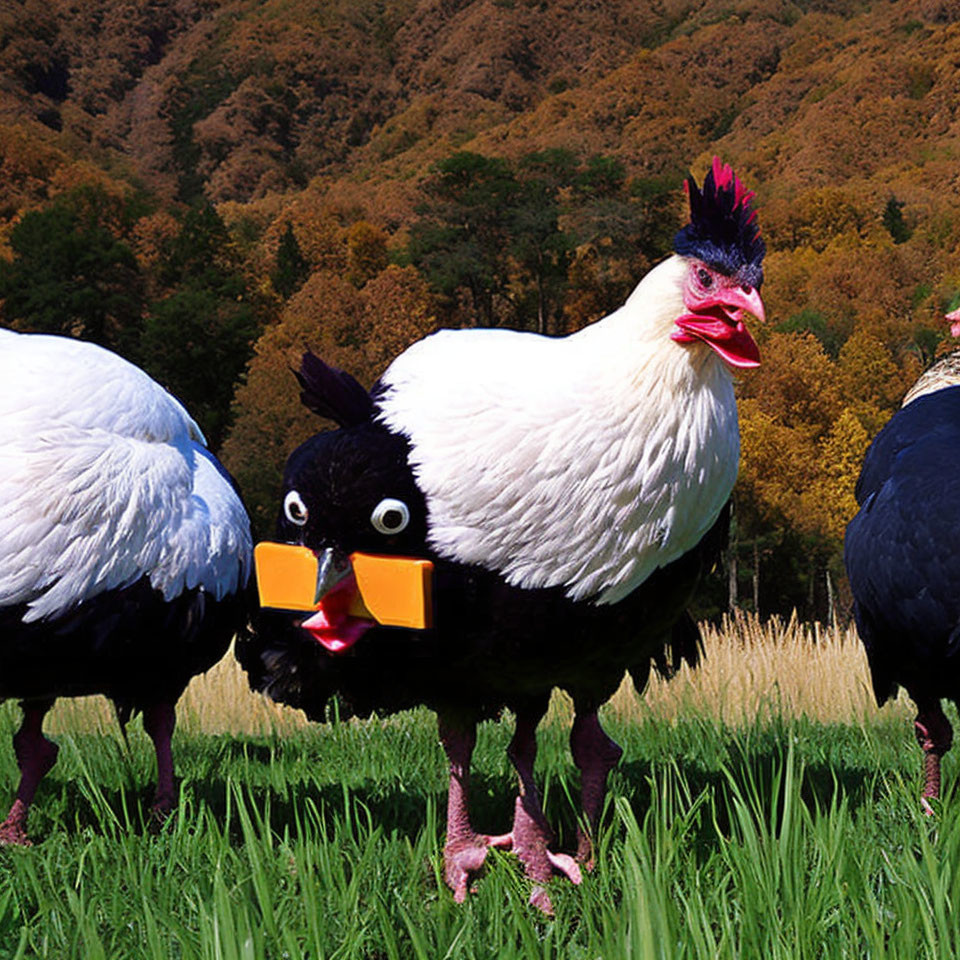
[[393, 591]]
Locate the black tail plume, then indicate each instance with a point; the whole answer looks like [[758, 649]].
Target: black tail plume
[[332, 393]]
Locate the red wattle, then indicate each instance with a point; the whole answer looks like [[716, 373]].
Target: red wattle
[[731, 342]]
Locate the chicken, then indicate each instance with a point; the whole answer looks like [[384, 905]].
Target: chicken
[[902, 562], [569, 493], [124, 548]]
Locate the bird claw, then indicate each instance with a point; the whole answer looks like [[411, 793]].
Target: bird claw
[[465, 856], [927, 807], [531, 836], [560, 863], [12, 830], [162, 807], [540, 899], [566, 866], [158, 813], [13, 836]]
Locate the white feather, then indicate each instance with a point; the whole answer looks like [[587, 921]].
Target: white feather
[[586, 461], [104, 479]]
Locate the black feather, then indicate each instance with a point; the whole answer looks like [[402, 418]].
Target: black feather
[[332, 393], [495, 645], [900, 551], [723, 230], [129, 644]]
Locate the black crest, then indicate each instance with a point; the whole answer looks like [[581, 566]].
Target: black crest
[[723, 230], [332, 393]]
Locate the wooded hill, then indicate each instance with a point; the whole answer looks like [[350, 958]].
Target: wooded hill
[[210, 186]]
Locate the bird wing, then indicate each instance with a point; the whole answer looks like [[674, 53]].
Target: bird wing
[[558, 461], [930, 417], [103, 480]]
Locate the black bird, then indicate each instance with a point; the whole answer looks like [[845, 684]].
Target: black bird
[[902, 561]]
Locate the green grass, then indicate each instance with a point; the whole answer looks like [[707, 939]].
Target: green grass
[[784, 839]]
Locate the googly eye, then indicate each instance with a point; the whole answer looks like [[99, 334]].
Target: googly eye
[[294, 509], [390, 516]]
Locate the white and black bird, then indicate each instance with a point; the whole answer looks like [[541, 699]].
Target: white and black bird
[[569, 491], [124, 547]]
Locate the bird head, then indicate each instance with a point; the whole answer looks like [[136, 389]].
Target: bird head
[[723, 254], [351, 532], [953, 318]]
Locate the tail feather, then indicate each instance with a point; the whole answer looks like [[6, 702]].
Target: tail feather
[[683, 645], [332, 393]]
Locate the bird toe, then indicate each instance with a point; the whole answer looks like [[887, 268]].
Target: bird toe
[[465, 857], [540, 899], [566, 866], [13, 835]]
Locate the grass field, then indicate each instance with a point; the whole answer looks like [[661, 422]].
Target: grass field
[[764, 808]]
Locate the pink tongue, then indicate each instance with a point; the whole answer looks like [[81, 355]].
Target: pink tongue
[[339, 637], [332, 626]]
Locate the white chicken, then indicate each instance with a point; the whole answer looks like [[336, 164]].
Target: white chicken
[[125, 550]]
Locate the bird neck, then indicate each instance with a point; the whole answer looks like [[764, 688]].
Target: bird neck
[[634, 343]]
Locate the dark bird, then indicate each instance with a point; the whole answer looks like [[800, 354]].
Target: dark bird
[[902, 560], [124, 548], [569, 493]]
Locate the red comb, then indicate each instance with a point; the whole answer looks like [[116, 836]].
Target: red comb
[[724, 178]]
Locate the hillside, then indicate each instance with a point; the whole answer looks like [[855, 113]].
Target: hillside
[[316, 133]]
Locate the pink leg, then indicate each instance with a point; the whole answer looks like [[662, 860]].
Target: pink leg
[[35, 756], [595, 755], [465, 849], [935, 736], [531, 833], [159, 721]]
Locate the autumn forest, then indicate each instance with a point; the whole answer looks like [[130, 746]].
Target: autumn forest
[[211, 186]]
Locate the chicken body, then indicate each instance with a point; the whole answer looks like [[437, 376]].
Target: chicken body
[[124, 548], [570, 493], [903, 565]]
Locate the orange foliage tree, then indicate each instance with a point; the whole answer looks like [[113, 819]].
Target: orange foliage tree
[[359, 331]]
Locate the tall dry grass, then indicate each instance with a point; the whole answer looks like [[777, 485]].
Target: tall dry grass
[[750, 668]]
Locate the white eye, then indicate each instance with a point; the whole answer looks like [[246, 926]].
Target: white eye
[[390, 516], [295, 509]]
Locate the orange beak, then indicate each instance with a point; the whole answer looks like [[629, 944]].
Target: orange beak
[[392, 591]]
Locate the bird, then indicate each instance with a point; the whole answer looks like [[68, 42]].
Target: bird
[[902, 563], [125, 550], [567, 494]]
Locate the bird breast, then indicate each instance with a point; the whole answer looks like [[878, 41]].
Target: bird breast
[[585, 462]]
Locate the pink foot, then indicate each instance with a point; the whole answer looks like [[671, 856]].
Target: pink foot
[[531, 836], [464, 856], [12, 830], [159, 722], [595, 755], [935, 737], [565, 866]]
